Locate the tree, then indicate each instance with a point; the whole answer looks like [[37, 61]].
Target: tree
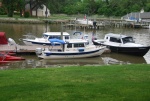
[[12, 5], [20, 6], [9, 4]]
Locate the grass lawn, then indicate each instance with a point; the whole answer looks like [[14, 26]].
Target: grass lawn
[[84, 83]]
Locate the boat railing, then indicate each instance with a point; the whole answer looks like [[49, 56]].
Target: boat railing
[[29, 36]]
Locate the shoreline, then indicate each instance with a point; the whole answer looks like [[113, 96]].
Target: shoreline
[[33, 20]]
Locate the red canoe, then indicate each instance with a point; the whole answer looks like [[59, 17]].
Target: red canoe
[[4, 57], [4, 62]]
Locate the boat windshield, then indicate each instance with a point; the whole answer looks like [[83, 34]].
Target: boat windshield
[[127, 40], [54, 37]]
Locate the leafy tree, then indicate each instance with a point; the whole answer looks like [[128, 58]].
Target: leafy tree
[[20, 6], [10, 5]]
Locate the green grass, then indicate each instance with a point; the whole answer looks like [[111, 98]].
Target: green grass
[[61, 17], [84, 83]]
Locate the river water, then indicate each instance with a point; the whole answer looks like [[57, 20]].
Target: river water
[[16, 31]]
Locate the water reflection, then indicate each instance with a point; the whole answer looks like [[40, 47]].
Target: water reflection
[[105, 59], [123, 59]]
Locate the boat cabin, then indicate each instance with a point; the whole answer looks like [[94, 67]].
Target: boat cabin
[[116, 38], [70, 45], [57, 35], [77, 44]]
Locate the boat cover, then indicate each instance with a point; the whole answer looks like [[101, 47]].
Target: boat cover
[[3, 39], [53, 41], [77, 32]]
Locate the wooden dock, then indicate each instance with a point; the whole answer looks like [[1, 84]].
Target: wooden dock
[[29, 50], [106, 23], [24, 49]]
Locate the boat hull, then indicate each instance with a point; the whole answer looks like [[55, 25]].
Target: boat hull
[[10, 58], [4, 62], [69, 55], [32, 43], [137, 51]]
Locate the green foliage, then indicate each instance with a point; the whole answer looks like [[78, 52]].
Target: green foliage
[[89, 7], [26, 14], [2, 11]]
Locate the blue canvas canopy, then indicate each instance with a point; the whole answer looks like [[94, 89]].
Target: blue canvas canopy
[[77, 33], [53, 41]]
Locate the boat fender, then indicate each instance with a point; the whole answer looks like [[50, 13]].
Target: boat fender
[[48, 54], [11, 42], [81, 49], [38, 51]]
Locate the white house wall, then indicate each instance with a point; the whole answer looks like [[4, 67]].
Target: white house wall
[[40, 12]]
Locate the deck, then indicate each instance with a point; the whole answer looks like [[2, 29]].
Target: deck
[[24, 49]]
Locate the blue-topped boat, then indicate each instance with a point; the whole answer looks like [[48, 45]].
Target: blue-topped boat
[[44, 40], [73, 48]]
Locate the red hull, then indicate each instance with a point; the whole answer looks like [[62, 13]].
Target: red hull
[[10, 58], [4, 62]]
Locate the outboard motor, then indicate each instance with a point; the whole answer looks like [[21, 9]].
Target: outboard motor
[[38, 51], [94, 24], [11, 42]]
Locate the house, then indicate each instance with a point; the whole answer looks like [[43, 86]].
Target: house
[[139, 16], [41, 12]]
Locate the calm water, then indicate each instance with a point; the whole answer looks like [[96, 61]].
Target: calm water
[[16, 31]]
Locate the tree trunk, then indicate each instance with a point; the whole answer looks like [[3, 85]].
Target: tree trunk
[[10, 11], [36, 11], [107, 2], [20, 12], [30, 7]]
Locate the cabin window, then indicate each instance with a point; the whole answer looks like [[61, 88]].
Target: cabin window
[[79, 45], [45, 36], [115, 40], [128, 40], [52, 37], [69, 45], [66, 37]]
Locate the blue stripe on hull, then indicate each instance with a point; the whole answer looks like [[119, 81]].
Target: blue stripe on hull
[[78, 53]]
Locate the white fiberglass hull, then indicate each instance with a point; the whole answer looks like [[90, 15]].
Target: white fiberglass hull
[[84, 22], [69, 55]]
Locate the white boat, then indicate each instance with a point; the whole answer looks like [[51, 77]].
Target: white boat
[[122, 44], [84, 21], [73, 48], [44, 40], [146, 26]]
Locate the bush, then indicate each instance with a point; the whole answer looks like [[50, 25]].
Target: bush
[[26, 14], [2, 11]]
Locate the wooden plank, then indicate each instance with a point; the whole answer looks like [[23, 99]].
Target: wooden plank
[[24, 48]]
